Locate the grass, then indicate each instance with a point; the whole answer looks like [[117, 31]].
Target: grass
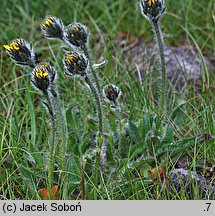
[[185, 131]]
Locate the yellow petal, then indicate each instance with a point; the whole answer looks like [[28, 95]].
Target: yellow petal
[[15, 46], [44, 66], [45, 74], [76, 28], [48, 22], [43, 25], [39, 74], [7, 47]]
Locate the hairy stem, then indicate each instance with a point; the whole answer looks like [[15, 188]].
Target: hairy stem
[[98, 104], [160, 43], [61, 136], [51, 144], [100, 130], [58, 133], [99, 160], [61, 128], [96, 173], [95, 77]]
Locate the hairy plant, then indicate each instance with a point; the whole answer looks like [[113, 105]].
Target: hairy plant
[[153, 10], [122, 154], [43, 78], [76, 36]]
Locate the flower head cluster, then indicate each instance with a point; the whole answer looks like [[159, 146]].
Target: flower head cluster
[[75, 64], [76, 34], [43, 76], [53, 28], [152, 9], [21, 52], [111, 93]]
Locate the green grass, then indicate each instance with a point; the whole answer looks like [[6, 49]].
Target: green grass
[[25, 127]]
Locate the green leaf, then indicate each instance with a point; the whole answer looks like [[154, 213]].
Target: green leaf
[[136, 150], [36, 154], [177, 115], [174, 149], [146, 126], [181, 146], [26, 172], [133, 132], [85, 142], [73, 116], [90, 153], [113, 124], [169, 135], [74, 171]]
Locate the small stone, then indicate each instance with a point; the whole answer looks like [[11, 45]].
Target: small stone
[[183, 65], [182, 179]]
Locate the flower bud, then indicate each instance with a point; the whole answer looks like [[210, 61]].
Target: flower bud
[[76, 34], [21, 52], [111, 93], [53, 28], [43, 76], [152, 9], [75, 64]]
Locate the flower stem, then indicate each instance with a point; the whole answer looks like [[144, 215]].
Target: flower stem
[[58, 133], [95, 77], [61, 136], [60, 127], [100, 134], [98, 104], [96, 173], [99, 160], [160, 43], [51, 144]]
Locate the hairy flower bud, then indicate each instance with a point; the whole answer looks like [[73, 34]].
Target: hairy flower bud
[[76, 34], [152, 9], [53, 28], [43, 76], [75, 64], [111, 93], [21, 52]]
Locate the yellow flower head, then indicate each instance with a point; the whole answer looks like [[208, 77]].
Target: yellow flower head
[[76, 34], [111, 93], [41, 71], [21, 52], [152, 9], [47, 22], [13, 46], [43, 76], [71, 58], [75, 64], [53, 28], [150, 2]]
